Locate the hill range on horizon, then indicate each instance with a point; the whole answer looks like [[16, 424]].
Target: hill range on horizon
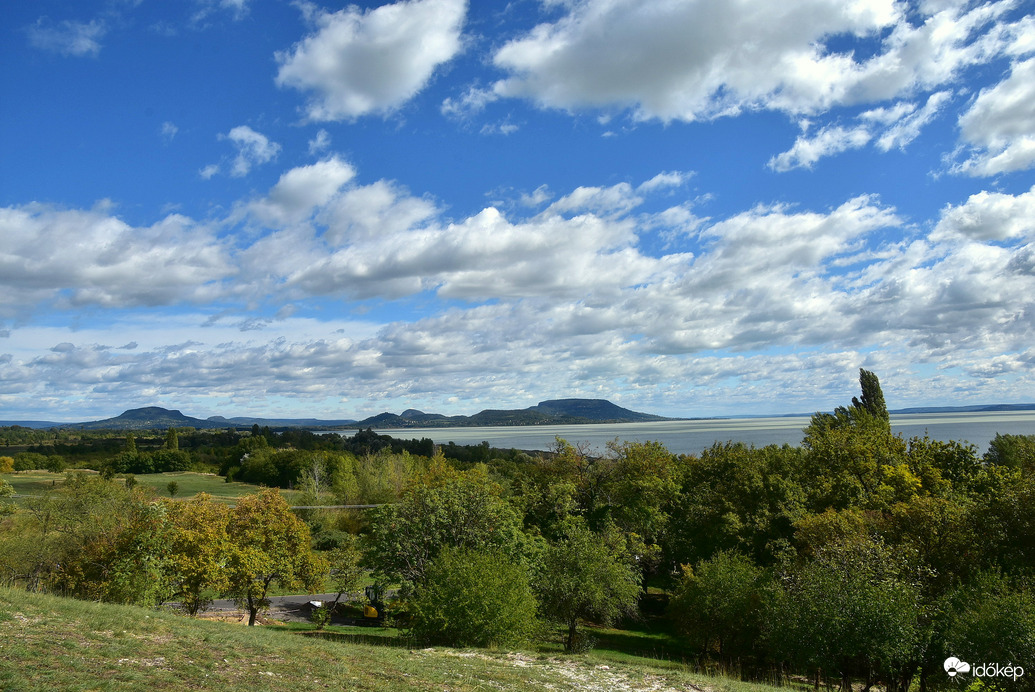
[[550, 412]]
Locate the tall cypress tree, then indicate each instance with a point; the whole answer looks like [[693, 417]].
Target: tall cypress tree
[[872, 400]]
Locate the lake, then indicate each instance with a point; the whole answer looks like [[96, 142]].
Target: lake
[[693, 436]]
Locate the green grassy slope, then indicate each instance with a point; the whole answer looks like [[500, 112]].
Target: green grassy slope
[[50, 643], [189, 484]]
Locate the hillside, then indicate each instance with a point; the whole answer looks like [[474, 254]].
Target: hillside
[[148, 418], [555, 412], [51, 643], [552, 412]]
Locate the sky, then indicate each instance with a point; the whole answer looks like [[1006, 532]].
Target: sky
[[686, 207]]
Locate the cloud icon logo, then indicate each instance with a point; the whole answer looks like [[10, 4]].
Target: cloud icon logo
[[953, 666]]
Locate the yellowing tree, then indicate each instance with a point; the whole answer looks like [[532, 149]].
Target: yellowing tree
[[268, 544], [198, 547]]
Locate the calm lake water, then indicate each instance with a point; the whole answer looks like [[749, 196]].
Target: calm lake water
[[691, 437]]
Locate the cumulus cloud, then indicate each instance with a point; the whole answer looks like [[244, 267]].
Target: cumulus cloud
[[989, 216], [70, 38], [302, 190], [1000, 125], [567, 295], [359, 62], [93, 258], [709, 58]]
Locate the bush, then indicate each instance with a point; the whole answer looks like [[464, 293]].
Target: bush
[[29, 461], [989, 620], [474, 599], [720, 605]]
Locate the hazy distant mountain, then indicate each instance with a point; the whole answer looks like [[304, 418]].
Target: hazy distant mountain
[[147, 418], [966, 409], [553, 412], [279, 422]]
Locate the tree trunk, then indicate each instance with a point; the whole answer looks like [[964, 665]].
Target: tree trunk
[[253, 610], [570, 643]]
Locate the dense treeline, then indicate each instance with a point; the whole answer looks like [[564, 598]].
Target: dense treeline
[[857, 556]]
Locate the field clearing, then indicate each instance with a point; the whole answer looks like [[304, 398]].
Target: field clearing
[[188, 484], [50, 643]]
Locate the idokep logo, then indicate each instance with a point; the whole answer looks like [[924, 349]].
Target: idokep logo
[[953, 666]]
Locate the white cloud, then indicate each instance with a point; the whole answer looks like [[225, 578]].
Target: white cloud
[[1000, 125], [472, 102], [828, 141], [667, 179], [205, 8], [90, 257], [989, 216], [905, 130], [320, 142], [253, 149], [892, 127], [169, 131], [708, 58], [71, 38], [380, 209], [359, 62], [567, 297], [302, 190]]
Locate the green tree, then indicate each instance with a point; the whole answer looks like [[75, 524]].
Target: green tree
[[988, 620], [721, 605], [268, 544], [739, 498], [347, 572], [582, 577], [441, 507], [172, 440], [103, 541], [173, 487], [1016, 451], [638, 488], [872, 398], [6, 492], [852, 612], [474, 598]]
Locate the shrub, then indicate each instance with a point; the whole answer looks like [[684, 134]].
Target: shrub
[[474, 599], [720, 605], [29, 461]]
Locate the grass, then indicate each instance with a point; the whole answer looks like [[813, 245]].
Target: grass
[[50, 643], [188, 483]]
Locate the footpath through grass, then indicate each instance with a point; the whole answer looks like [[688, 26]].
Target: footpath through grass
[[49, 643]]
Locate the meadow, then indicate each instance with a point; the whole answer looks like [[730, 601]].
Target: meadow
[[49, 643]]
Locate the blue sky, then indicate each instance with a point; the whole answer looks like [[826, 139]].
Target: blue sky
[[696, 207]]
